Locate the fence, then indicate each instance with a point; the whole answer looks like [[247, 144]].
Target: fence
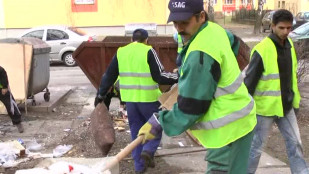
[[246, 16]]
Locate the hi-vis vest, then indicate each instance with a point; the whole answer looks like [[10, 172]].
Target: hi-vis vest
[[135, 80], [231, 114], [268, 93], [180, 43]]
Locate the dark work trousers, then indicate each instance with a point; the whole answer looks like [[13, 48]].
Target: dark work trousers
[[138, 115], [11, 107]]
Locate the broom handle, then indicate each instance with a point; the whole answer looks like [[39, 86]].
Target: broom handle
[[122, 154]]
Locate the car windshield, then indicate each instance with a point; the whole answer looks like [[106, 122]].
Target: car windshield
[[269, 15], [77, 31], [302, 30], [272, 13]]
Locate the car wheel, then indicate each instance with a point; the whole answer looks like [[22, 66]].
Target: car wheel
[[68, 59]]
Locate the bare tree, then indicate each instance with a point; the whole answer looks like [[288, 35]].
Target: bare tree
[[258, 18], [211, 11]]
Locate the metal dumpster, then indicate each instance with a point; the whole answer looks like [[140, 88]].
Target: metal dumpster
[[39, 73], [94, 57]]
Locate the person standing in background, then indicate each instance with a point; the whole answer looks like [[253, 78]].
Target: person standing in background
[[8, 100]]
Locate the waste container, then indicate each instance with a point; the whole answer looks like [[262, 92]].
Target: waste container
[[94, 57], [39, 71]]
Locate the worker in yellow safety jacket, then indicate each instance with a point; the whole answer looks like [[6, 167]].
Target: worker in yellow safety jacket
[[140, 73], [213, 102], [271, 79]]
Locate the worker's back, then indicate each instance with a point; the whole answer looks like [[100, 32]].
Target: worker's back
[[136, 83]]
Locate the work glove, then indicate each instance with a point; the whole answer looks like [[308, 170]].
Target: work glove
[[151, 129], [98, 99]]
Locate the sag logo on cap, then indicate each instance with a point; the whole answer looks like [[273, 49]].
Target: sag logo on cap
[[179, 4]]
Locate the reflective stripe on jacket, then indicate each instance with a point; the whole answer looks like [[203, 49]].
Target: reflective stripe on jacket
[[135, 80], [231, 114], [268, 92], [180, 43]]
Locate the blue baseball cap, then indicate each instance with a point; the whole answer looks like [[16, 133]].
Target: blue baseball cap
[[181, 10], [139, 34]]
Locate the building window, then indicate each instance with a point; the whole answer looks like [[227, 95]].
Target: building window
[[278, 4], [283, 4], [84, 5], [215, 2], [228, 1], [83, 1]]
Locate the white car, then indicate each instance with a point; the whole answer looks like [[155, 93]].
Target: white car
[[63, 41]]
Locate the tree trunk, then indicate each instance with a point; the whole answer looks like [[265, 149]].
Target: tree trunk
[[211, 11], [258, 17]]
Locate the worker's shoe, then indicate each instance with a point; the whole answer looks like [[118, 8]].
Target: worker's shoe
[[139, 172], [148, 159], [20, 128]]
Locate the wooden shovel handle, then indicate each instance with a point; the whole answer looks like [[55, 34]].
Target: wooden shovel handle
[[125, 152]]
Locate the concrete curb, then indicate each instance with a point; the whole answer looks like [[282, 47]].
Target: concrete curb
[[56, 98]]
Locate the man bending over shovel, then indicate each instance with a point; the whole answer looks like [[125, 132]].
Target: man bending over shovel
[[213, 101]]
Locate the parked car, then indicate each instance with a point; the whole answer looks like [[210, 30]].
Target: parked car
[[266, 20], [62, 39], [301, 18], [300, 37], [300, 33]]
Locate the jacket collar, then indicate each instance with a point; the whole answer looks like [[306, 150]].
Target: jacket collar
[[276, 40]]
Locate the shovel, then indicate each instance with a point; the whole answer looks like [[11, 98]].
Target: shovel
[[122, 154]]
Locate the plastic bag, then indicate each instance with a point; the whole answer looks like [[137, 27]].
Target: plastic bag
[[61, 150], [7, 155], [33, 145]]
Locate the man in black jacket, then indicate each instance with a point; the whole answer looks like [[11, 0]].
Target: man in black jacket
[[271, 79], [8, 100]]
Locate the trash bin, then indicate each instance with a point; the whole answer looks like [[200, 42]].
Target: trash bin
[[39, 71]]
